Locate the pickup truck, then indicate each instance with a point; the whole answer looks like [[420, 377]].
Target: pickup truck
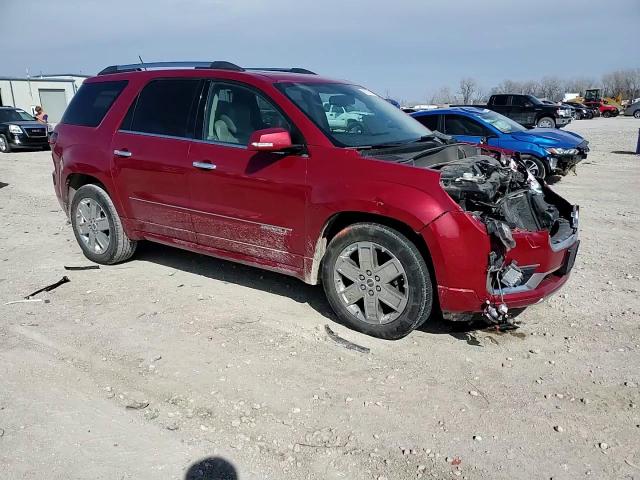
[[529, 111]]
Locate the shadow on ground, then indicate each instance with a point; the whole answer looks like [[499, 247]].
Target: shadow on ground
[[275, 283], [212, 468]]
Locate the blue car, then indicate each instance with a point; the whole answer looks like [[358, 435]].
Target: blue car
[[545, 151]]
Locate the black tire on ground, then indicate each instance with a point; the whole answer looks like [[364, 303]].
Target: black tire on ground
[[354, 127], [606, 114], [120, 247], [636, 114], [535, 164], [420, 287], [5, 147], [550, 122]]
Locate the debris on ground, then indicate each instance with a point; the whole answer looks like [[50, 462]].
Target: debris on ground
[[48, 288], [134, 405], [84, 267], [345, 343], [27, 300]]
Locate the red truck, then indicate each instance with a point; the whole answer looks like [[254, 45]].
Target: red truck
[[396, 222]]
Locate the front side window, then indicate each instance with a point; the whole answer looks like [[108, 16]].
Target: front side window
[[366, 120], [500, 100], [11, 115], [164, 107], [92, 102], [233, 113], [461, 125]]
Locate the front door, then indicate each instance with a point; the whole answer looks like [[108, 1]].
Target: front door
[[151, 158], [246, 202]]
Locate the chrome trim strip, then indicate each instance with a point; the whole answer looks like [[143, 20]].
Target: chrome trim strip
[[264, 225], [186, 139]]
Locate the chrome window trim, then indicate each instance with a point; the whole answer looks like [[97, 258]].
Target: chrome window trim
[[175, 137]]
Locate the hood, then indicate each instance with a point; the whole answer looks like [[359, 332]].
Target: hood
[[549, 137], [26, 123]]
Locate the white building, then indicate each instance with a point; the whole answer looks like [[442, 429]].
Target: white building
[[52, 92]]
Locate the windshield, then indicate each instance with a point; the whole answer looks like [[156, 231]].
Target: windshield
[[352, 116], [502, 123], [10, 115]]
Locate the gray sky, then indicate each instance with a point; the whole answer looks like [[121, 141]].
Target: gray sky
[[409, 48]]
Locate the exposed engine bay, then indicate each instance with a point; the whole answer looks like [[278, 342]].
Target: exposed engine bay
[[497, 189]]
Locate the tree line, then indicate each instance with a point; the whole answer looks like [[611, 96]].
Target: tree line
[[620, 82]]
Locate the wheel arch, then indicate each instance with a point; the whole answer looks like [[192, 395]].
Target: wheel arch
[[341, 220]]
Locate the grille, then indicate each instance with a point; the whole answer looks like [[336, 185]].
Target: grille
[[36, 131]]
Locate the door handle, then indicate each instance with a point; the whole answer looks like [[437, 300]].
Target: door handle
[[204, 165], [122, 153]]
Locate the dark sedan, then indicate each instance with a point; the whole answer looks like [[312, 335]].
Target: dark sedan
[[19, 130]]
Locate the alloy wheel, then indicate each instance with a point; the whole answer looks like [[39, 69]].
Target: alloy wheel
[[92, 225], [545, 124], [371, 283], [3, 144], [636, 114], [532, 167]]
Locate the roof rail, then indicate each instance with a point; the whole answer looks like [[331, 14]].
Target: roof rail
[[288, 70], [218, 65]]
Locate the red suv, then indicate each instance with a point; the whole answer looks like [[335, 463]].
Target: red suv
[[396, 222]]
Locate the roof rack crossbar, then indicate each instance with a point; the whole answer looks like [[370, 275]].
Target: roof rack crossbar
[[219, 65], [287, 70]]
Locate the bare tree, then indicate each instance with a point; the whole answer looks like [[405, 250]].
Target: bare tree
[[468, 88], [551, 88], [442, 95]]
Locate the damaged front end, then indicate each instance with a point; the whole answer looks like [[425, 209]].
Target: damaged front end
[[519, 214]]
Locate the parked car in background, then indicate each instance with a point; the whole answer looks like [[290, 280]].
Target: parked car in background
[[529, 111], [633, 109], [383, 217], [582, 111], [605, 109], [344, 117], [20, 130], [545, 151]]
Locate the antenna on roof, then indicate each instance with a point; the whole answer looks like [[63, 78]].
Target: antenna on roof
[[141, 61]]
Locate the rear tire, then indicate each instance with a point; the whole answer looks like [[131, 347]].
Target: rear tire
[[546, 122], [5, 147], [98, 228], [636, 114], [606, 114], [367, 265]]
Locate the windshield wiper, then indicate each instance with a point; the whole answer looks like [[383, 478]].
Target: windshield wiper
[[423, 138]]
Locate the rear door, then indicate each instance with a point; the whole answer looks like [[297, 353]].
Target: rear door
[[248, 203], [151, 157]]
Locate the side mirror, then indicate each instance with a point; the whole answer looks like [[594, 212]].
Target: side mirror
[[270, 140], [528, 104]]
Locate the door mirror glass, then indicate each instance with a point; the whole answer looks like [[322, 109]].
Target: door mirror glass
[[270, 140]]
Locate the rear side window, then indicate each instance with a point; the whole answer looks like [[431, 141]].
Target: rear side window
[[163, 107], [429, 121], [92, 102]]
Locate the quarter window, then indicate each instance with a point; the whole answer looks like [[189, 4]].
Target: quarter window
[[500, 100], [164, 107], [92, 102], [233, 113]]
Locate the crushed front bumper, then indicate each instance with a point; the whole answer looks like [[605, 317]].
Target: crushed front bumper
[[460, 248]]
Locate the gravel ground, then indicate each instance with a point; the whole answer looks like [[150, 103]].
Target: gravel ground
[[144, 369]]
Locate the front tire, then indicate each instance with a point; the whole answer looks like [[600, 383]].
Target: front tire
[[536, 166], [606, 114], [546, 122], [376, 281], [98, 228], [5, 147]]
